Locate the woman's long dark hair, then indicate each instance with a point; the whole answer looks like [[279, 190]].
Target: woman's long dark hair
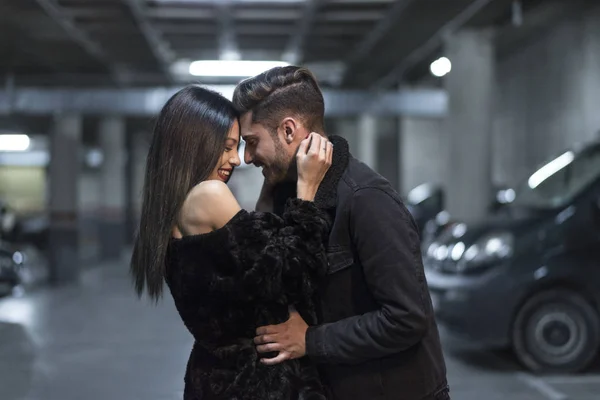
[[188, 140]]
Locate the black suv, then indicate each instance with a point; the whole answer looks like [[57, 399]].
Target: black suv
[[529, 276]]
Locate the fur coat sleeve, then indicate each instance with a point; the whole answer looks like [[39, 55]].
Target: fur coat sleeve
[[289, 257]]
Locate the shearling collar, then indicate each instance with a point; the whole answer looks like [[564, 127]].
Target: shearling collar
[[327, 194]]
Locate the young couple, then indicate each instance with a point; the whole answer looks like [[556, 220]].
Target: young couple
[[320, 293]]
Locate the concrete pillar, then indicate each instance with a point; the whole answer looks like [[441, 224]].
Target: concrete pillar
[[423, 152], [63, 249], [367, 140], [470, 87], [112, 224], [138, 146], [347, 127], [590, 80]]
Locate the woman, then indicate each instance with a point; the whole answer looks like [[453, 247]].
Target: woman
[[228, 270]]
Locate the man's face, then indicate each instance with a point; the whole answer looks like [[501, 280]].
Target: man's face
[[274, 153]]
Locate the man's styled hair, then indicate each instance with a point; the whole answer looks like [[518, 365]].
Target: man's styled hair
[[279, 92]]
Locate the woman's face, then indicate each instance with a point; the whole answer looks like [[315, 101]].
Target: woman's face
[[230, 157]]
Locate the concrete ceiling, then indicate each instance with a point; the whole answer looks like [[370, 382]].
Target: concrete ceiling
[[348, 43]]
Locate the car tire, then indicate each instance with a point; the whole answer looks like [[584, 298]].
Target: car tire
[[556, 331]]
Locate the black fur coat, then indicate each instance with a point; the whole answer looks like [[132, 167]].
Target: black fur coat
[[228, 282]]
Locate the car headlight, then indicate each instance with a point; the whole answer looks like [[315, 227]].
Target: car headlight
[[18, 257], [439, 252], [488, 249]]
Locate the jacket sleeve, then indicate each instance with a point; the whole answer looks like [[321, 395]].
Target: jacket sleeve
[[387, 242], [276, 258]]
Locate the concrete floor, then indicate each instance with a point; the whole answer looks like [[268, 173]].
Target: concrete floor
[[96, 341]]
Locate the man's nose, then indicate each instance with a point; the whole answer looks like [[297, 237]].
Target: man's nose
[[248, 159]]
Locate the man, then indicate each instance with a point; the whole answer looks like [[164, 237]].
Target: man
[[378, 338]]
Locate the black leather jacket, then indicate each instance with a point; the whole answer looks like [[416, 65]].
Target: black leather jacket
[[377, 337]]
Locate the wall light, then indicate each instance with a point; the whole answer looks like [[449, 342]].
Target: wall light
[[232, 68], [14, 142], [440, 67]]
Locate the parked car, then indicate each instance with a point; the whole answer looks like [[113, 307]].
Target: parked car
[[11, 262], [425, 202], [33, 230], [529, 276], [8, 220], [30, 229], [427, 206], [434, 228]]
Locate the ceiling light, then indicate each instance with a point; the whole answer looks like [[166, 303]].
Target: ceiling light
[[441, 67], [232, 68], [231, 1], [14, 142]]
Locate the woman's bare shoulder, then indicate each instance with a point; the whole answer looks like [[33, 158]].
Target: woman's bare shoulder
[[208, 206], [210, 190]]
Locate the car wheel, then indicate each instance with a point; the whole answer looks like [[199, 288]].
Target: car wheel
[[556, 331]]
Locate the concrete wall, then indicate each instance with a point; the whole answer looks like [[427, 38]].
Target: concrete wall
[[23, 188], [548, 94], [388, 157]]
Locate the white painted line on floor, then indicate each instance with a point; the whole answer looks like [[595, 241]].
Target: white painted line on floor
[[579, 380], [545, 389]]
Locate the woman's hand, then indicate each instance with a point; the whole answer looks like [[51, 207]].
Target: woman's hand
[[313, 161]]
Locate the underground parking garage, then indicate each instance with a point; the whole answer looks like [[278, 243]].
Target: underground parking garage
[[480, 114]]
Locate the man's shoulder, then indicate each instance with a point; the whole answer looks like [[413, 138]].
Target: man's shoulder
[[361, 185], [360, 176]]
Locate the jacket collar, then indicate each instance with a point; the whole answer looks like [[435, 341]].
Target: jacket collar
[[327, 194]]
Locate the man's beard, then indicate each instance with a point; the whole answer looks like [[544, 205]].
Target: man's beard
[[280, 169]]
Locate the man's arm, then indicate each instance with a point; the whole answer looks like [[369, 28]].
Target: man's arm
[[387, 243]]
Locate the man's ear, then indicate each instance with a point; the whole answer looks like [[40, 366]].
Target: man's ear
[[290, 128]]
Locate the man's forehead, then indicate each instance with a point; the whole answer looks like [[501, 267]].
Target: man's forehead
[[248, 127]]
